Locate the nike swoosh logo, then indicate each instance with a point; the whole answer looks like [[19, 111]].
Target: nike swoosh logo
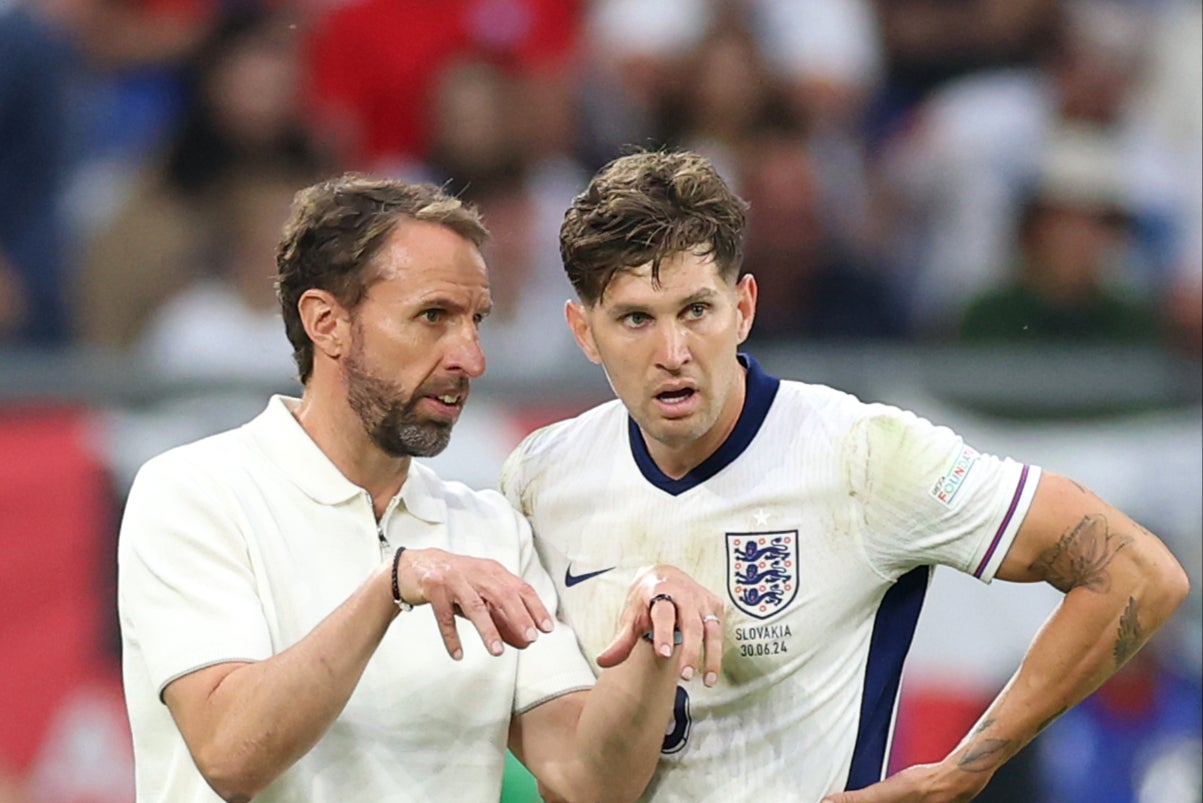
[[571, 579]]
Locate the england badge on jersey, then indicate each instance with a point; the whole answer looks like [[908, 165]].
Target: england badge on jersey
[[762, 571]]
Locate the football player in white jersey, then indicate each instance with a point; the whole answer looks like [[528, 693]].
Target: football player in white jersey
[[816, 518]]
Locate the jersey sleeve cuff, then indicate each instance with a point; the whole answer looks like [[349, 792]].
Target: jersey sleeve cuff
[[988, 560]]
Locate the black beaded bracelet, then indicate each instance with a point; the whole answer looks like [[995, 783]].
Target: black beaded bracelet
[[402, 604]]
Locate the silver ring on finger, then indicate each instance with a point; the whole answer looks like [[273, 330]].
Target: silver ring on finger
[[709, 618]]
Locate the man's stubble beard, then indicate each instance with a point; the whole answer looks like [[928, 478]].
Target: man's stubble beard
[[388, 415]]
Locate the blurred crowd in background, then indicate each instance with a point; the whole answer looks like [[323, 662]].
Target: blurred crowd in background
[[1019, 172], [918, 170]]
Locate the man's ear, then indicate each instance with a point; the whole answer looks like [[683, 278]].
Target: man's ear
[[745, 304], [326, 322], [578, 321]]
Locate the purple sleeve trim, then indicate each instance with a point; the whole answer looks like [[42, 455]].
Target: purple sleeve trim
[[1002, 528]]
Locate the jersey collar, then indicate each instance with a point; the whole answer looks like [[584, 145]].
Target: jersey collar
[[285, 442], [761, 389]]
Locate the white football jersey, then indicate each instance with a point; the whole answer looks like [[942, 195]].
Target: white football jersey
[[817, 522]]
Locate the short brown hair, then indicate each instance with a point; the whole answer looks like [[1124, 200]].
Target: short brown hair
[[644, 207], [335, 229]]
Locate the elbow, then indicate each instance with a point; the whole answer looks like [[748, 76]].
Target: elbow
[[1177, 585], [233, 779], [1167, 590]]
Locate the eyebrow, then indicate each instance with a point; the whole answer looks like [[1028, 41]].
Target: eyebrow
[[445, 303], [705, 294]]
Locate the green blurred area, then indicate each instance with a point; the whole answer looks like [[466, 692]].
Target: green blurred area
[[519, 786]]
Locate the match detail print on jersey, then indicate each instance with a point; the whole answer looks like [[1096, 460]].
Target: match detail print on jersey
[[762, 571]]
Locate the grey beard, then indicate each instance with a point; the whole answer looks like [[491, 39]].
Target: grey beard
[[390, 422]]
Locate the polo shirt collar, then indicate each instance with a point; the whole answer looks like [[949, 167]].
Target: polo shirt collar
[[287, 445]]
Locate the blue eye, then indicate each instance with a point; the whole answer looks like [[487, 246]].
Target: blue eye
[[697, 310]]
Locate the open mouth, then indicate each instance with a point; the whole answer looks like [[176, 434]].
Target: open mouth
[[449, 403], [675, 396]]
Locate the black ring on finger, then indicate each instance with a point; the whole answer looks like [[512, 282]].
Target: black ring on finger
[[659, 597]]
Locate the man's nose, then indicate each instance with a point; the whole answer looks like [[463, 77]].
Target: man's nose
[[466, 353], [674, 346]]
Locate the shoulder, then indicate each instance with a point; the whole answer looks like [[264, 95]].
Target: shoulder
[[568, 438], [209, 458], [457, 498], [810, 409]]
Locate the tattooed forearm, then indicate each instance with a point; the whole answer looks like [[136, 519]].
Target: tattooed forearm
[[984, 755], [1081, 557], [1129, 636], [981, 726]]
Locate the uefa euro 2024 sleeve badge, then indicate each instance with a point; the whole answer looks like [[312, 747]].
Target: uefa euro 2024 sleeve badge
[[762, 571]]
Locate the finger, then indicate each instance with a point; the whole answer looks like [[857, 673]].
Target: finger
[[536, 609], [630, 630], [444, 616], [712, 637], [690, 625], [664, 619], [516, 634], [475, 610], [619, 649], [508, 608]]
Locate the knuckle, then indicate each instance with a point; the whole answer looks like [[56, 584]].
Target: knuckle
[[474, 605]]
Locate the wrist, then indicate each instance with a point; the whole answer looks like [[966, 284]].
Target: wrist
[[395, 582]]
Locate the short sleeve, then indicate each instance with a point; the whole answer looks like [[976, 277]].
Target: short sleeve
[[553, 665], [930, 498], [186, 587]]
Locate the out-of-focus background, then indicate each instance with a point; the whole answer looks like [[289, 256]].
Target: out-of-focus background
[[985, 210]]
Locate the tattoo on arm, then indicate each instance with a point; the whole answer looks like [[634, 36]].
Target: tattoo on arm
[[1129, 636], [981, 726], [1081, 557], [984, 755]]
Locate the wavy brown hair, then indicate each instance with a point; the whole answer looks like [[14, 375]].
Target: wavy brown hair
[[644, 207]]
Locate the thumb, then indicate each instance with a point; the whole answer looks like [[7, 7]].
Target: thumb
[[619, 649]]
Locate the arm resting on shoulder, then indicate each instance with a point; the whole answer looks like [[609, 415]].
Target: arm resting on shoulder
[[601, 745]]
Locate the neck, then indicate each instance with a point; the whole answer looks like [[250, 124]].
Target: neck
[[329, 420]]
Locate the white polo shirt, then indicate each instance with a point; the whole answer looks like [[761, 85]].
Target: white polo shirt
[[817, 521], [234, 547]]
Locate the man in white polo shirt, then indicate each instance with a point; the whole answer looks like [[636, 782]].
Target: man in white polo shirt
[[290, 591]]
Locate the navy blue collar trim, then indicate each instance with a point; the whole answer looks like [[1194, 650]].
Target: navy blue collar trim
[[761, 390]]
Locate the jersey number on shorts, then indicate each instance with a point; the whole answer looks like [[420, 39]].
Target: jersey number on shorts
[[678, 730]]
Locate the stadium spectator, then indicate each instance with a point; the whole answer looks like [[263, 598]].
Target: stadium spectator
[[225, 324], [817, 518], [1071, 237], [372, 67], [481, 151], [243, 115], [288, 590], [35, 52], [929, 43], [958, 172], [817, 285]]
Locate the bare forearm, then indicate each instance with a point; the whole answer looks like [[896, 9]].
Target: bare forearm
[[262, 717], [1090, 636], [622, 726]]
